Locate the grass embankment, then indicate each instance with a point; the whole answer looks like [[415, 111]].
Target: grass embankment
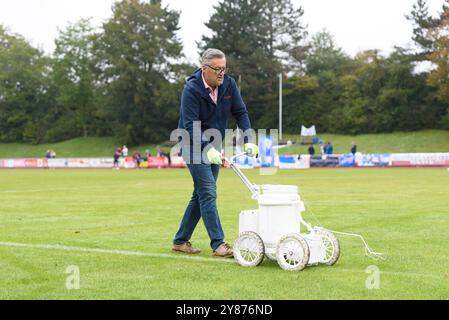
[[399, 142]]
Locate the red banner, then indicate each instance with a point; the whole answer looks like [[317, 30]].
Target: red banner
[[178, 162], [420, 159], [157, 162], [24, 163]]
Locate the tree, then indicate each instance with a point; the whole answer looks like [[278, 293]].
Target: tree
[[25, 92], [350, 117], [439, 76], [137, 58], [298, 102], [234, 26], [423, 24], [324, 55], [260, 39], [328, 64], [286, 34], [74, 76]]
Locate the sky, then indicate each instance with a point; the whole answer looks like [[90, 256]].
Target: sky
[[356, 24]]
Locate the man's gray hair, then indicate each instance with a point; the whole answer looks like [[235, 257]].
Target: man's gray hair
[[210, 54]]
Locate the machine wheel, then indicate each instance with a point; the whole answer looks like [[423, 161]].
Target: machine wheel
[[249, 249], [292, 252], [331, 245]]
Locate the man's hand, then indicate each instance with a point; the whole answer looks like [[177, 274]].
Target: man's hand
[[252, 150], [214, 156]]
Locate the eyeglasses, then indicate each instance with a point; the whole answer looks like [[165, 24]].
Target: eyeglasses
[[217, 70]]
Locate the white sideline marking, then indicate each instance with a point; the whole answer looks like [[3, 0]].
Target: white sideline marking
[[185, 257], [50, 190], [44, 190], [121, 252]]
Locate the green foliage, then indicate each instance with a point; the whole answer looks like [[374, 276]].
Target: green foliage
[[431, 33], [260, 39], [422, 24], [24, 88], [439, 77], [125, 78], [324, 54], [444, 122], [369, 93], [135, 55], [74, 74]]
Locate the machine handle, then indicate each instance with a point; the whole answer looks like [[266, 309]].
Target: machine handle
[[249, 185]]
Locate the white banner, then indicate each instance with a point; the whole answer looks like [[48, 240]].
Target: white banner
[[294, 162], [81, 163], [373, 160]]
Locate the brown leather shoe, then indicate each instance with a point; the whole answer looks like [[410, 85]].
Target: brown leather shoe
[[186, 247], [224, 251]]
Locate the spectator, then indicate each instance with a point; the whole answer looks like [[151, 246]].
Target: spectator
[[52, 154], [124, 151], [329, 149], [117, 154], [324, 149], [48, 154], [353, 149], [137, 158], [147, 154], [160, 153], [311, 150]]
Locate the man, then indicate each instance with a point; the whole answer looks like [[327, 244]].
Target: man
[[209, 96], [161, 153], [117, 154], [353, 149], [124, 151], [311, 150], [137, 158], [330, 149]]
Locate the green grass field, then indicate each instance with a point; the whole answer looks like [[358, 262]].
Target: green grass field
[[401, 212]]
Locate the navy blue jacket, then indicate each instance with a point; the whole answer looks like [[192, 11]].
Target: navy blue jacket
[[197, 105]]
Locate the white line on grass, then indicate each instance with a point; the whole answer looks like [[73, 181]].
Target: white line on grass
[[121, 252], [54, 189], [192, 258], [49, 190], [36, 190]]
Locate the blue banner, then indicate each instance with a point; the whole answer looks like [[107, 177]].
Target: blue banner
[[288, 159], [373, 160], [347, 160]]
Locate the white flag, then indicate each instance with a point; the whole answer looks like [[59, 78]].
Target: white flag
[[308, 132]]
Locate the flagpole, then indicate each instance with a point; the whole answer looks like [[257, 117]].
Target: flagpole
[[280, 106]]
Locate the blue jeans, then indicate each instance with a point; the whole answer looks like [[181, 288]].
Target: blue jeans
[[202, 205]]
